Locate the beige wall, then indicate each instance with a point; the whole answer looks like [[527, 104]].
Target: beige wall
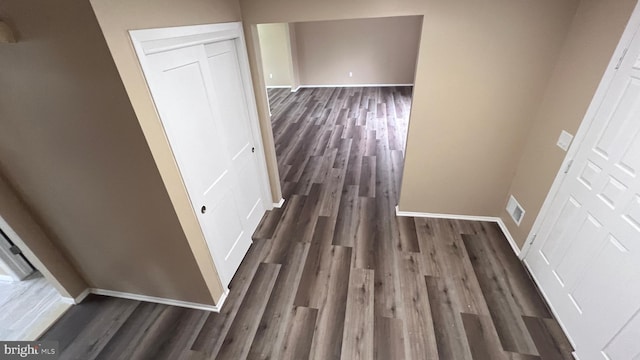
[[593, 36], [276, 54], [481, 72], [376, 51], [116, 17], [73, 150]]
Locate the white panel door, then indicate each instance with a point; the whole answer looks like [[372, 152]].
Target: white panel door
[[199, 94], [586, 256], [222, 59]]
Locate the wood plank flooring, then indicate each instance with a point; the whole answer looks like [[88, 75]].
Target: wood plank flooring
[[334, 274]]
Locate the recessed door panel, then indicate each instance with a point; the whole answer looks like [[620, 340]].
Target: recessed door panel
[[200, 97]]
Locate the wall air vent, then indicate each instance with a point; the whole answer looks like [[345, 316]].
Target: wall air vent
[[515, 210]]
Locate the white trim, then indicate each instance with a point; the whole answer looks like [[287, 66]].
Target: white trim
[[598, 97], [507, 234], [444, 216], [124, 295], [497, 220], [223, 298], [352, 85], [332, 86], [80, 297], [165, 301], [7, 278], [150, 41], [279, 203]]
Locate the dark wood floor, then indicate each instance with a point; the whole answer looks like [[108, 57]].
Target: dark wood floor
[[335, 274]]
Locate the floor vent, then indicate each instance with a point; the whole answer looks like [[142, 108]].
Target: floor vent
[[515, 210]]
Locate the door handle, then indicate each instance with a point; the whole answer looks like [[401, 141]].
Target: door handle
[[203, 209]]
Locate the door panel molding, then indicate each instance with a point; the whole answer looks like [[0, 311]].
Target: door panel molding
[[166, 50], [164, 39]]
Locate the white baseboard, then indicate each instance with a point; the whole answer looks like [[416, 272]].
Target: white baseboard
[[507, 234], [352, 85], [444, 216], [78, 299], [223, 298], [333, 86], [497, 220], [279, 203], [159, 300]]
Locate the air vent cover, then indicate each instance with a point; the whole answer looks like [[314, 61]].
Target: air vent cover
[[515, 210]]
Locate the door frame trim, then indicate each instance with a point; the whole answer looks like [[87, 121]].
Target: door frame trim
[[633, 25]]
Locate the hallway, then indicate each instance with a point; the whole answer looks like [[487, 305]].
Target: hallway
[[334, 273]]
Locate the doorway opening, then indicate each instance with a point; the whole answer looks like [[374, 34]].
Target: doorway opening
[[338, 90], [29, 303]]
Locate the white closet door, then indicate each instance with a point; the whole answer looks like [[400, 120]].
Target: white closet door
[[198, 91]]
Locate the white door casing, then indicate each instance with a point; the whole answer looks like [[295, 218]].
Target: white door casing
[[586, 253], [199, 80]]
